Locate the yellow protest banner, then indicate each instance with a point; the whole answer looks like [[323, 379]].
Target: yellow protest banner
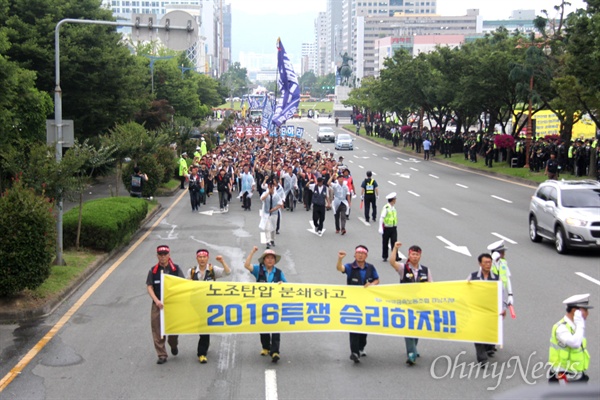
[[457, 311]]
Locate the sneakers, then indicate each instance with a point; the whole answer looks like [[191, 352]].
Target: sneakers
[[337, 231], [362, 353], [355, 357], [161, 360], [275, 357], [412, 359], [264, 352], [203, 359], [343, 231], [174, 350]]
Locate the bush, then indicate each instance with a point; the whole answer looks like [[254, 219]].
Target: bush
[[166, 159], [28, 240], [105, 223], [150, 166]]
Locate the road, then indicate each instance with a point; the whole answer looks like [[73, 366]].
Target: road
[[103, 348]]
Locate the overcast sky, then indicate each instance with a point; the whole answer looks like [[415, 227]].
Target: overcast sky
[[256, 24]]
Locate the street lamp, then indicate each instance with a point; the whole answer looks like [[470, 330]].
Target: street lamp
[[183, 69], [152, 60]]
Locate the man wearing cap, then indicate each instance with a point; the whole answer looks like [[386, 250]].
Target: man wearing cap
[[203, 149], [358, 273], [411, 272], [197, 154], [195, 187], [370, 194], [204, 271], [500, 268], [153, 280], [568, 354], [266, 271], [484, 273], [388, 222], [183, 169]]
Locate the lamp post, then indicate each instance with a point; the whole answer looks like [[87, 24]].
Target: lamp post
[[183, 69], [152, 60]]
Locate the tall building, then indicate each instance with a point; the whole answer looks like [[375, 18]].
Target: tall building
[[309, 60], [321, 29], [209, 53], [333, 35]]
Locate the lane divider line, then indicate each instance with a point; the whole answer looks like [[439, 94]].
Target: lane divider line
[[16, 370], [270, 384], [450, 212], [501, 199], [589, 278], [504, 238]]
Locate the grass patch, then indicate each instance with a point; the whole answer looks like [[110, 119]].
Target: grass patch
[[167, 189], [62, 276]]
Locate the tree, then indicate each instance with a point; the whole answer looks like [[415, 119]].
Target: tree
[[307, 82], [102, 82], [234, 82]]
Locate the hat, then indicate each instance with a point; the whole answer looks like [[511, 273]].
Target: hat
[[320, 179], [184, 154], [163, 248], [579, 301], [391, 196], [267, 252], [197, 147], [204, 140], [497, 246], [369, 174]]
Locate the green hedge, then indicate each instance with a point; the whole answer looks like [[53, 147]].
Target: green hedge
[[105, 223]]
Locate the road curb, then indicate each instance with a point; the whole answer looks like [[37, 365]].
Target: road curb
[[43, 310]]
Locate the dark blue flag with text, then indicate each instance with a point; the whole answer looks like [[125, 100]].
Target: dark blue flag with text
[[288, 87]]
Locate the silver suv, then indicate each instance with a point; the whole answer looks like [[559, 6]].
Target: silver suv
[[566, 212]]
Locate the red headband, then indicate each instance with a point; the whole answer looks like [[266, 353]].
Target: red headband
[[163, 249], [202, 253], [361, 250]]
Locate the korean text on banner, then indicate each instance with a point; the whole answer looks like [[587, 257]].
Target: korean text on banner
[[456, 311]]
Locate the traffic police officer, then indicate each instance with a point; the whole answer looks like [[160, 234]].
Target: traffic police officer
[[388, 222], [500, 268], [568, 354]]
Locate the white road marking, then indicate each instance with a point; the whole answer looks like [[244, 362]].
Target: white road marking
[[355, 156], [433, 176], [589, 278], [451, 246], [501, 199], [414, 169], [504, 238], [386, 159], [374, 154], [399, 163], [401, 159], [374, 174], [391, 183], [414, 194], [270, 384], [350, 161], [462, 186], [364, 221], [361, 167], [450, 212]]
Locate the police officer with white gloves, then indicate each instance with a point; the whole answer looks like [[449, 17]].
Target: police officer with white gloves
[[500, 268]]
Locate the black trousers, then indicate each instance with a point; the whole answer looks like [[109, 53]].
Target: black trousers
[[482, 349], [390, 237], [370, 200], [195, 199], [318, 216], [270, 341], [246, 201], [203, 344], [358, 341]]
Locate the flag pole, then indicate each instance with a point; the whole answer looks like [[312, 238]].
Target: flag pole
[[275, 103]]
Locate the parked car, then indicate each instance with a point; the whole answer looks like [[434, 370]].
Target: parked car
[[325, 134], [344, 141], [566, 212]]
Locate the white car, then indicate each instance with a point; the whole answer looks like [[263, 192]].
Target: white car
[[325, 134], [344, 141]]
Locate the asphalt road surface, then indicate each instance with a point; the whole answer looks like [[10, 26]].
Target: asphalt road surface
[[102, 348]]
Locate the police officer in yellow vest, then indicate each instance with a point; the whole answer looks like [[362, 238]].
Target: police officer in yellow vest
[[568, 354], [500, 268], [388, 222]]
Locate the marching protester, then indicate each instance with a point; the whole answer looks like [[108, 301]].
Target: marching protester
[[203, 271], [224, 189], [411, 272], [247, 187], [153, 281], [484, 350], [358, 273], [320, 200], [266, 271], [271, 203], [340, 204], [569, 356], [195, 187]]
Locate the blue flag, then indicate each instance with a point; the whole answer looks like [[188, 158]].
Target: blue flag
[[288, 87]]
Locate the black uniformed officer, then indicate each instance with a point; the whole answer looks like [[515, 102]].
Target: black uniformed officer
[[370, 194]]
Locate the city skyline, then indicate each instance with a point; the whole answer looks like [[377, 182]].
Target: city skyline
[[257, 24]]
